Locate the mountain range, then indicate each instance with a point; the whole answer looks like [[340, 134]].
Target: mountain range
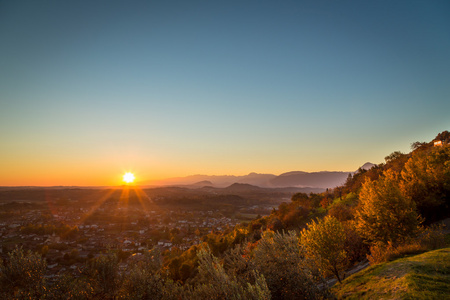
[[323, 179]]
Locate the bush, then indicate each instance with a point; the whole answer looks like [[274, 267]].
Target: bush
[[22, 275], [104, 273], [380, 252], [430, 238], [217, 284], [289, 275], [68, 287], [433, 237]]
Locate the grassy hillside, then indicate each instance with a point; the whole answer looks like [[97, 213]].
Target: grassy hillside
[[423, 276]]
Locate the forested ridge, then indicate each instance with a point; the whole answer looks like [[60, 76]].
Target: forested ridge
[[379, 214]]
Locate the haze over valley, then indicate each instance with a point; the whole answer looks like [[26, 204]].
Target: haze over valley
[[321, 180]]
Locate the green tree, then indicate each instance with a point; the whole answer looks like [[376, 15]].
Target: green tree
[[384, 214], [324, 242]]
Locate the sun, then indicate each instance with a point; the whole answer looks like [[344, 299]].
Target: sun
[[128, 177]]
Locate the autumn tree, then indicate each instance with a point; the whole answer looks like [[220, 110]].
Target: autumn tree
[[384, 214], [341, 212], [426, 181], [396, 160], [307, 201], [324, 242]]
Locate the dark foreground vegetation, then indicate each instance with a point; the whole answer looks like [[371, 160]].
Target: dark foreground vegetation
[[381, 214]]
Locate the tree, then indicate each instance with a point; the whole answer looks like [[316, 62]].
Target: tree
[[68, 287], [324, 242], [426, 181], [384, 214], [217, 284], [22, 275], [144, 280], [289, 275], [418, 145], [104, 271], [304, 200], [341, 212], [444, 136], [396, 161], [393, 156]]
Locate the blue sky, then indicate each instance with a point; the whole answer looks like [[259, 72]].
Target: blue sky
[[90, 89]]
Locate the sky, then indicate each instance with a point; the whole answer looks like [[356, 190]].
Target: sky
[[90, 90]]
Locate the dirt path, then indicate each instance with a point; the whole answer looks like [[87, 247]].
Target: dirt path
[[355, 269]]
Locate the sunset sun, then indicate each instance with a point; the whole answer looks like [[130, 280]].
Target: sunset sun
[[128, 177]]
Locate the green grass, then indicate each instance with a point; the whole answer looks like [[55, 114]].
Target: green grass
[[423, 276]]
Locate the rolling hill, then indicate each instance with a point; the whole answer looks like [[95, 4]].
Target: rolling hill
[[423, 276], [322, 180]]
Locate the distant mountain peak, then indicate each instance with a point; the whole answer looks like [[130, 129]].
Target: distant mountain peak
[[203, 183], [367, 166], [293, 173], [325, 179], [297, 179], [242, 186], [237, 184]]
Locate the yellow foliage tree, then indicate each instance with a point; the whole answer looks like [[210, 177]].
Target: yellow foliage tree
[[324, 242], [426, 181], [384, 214]]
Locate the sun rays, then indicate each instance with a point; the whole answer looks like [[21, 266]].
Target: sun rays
[[122, 205]]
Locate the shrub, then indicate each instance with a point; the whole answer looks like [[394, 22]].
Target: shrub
[[143, 279], [430, 238], [380, 252], [69, 287], [104, 273], [289, 275], [22, 275], [433, 237], [217, 284]]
